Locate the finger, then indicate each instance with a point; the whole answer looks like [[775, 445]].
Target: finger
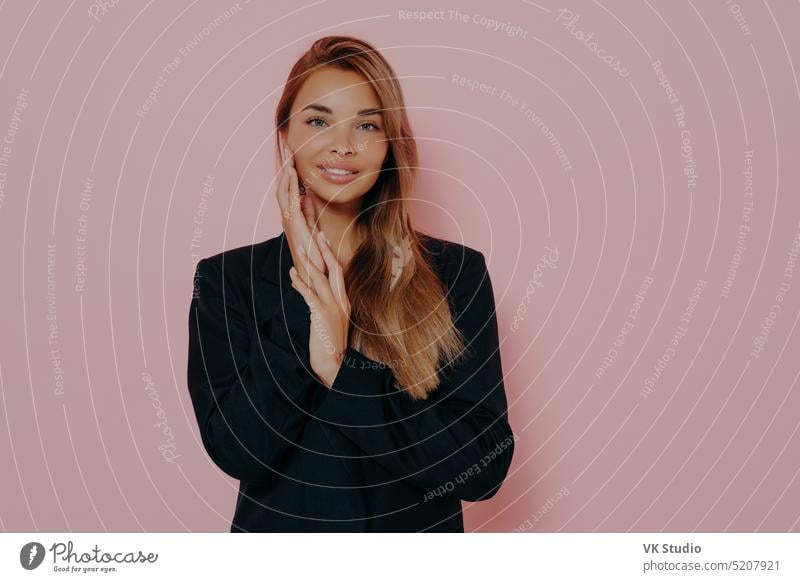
[[277, 192], [306, 233], [316, 255], [304, 204], [281, 195], [322, 286], [299, 238], [321, 283], [335, 273], [305, 290], [294, 191], [288, 155], [301, 262], [294, 194], [308, 212], [285, 154]]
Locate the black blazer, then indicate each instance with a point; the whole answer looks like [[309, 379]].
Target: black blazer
[[361, 456]]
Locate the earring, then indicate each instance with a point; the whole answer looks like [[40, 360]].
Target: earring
[[402, 256]]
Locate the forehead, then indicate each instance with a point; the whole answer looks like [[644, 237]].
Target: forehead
[[345, 92]]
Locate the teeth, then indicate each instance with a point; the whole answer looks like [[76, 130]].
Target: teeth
[[337, 171]]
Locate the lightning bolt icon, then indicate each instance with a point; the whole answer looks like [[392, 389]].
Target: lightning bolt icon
[[34, 551]]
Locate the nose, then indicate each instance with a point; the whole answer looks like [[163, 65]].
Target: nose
[[341, 140], [342, 151]]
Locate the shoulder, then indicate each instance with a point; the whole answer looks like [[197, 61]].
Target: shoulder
[[239, 261], [465, 275], [447, 250], [461, 268], [453, 260]]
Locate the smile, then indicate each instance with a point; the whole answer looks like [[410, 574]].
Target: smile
[[337, 171], [338, 175]]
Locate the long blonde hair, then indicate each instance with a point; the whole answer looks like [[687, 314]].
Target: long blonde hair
[[406, 324]]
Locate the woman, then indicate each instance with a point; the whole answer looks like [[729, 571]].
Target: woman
[[348, 371]]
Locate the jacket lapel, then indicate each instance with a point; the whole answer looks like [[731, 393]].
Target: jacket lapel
[[286, 312], [277, 262]]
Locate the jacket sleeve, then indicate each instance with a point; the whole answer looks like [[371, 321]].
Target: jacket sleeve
[[250, 391], [458, 441]]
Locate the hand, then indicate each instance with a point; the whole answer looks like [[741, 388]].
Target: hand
[[330, 313], [299, 220]]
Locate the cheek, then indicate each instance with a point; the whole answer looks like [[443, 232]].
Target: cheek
[[302, 136], [374, 153]]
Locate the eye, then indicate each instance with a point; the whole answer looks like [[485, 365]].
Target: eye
[[310, 121], [367, 123]]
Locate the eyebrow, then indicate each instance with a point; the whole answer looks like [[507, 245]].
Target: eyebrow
[[328, 110]]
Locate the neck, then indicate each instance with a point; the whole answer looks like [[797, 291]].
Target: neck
[[338, 222]]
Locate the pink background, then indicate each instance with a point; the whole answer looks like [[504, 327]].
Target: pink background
[[586, 162]]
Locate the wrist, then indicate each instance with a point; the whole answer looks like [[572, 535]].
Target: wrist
[[330, 371], [328, 376]]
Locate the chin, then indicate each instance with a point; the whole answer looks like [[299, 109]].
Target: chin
[[339, 195]]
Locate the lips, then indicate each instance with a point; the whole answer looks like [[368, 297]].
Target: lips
[[339, 168], [338, 173]]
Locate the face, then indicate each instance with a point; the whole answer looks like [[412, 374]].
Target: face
[[339, 145]]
